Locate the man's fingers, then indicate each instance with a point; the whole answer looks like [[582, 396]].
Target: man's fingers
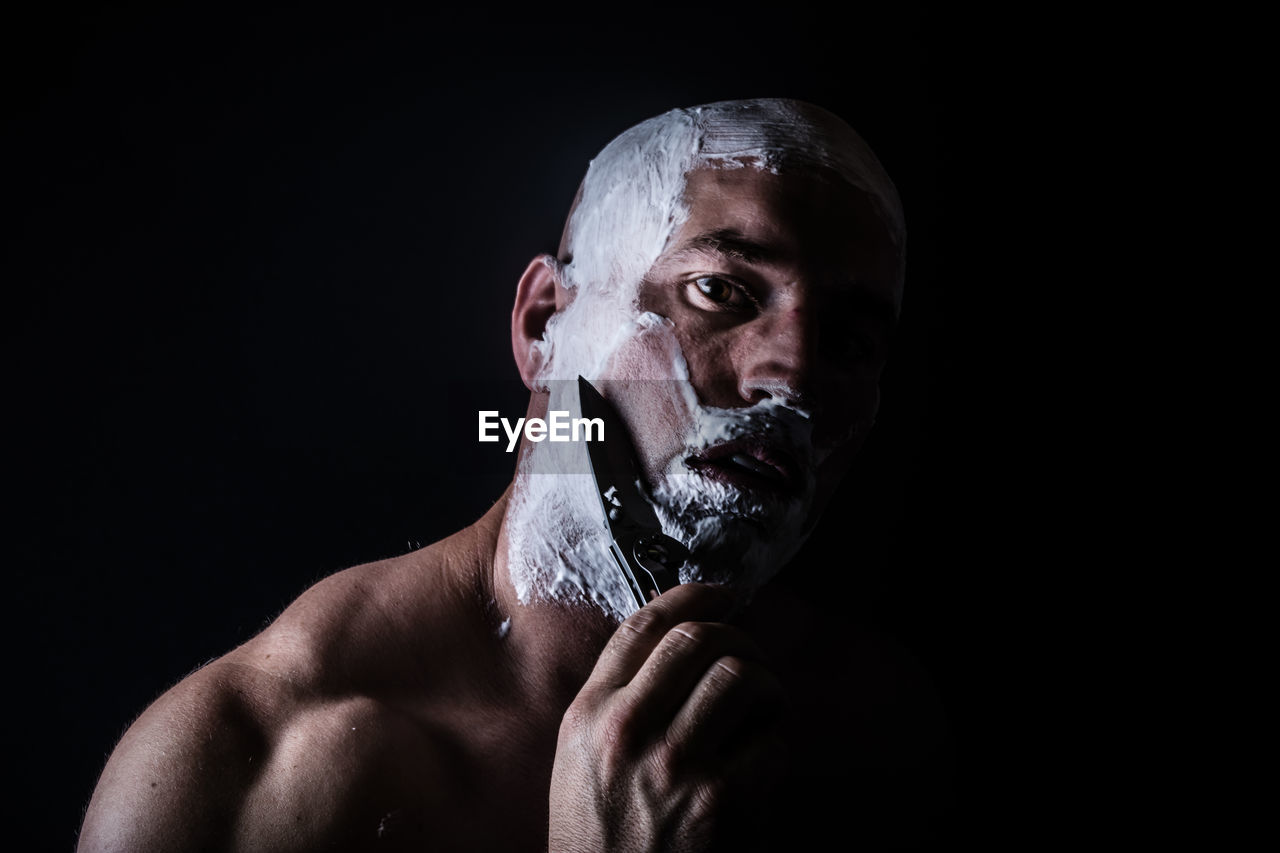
[[679, 662], [734, 696], [636, 638]]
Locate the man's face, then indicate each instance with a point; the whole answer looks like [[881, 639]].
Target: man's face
[[780, 292]]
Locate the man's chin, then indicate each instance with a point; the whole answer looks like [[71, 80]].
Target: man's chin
[[741, 552], [739, 537]]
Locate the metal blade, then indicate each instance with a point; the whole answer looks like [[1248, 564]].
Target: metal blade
[[648, 559], [615, 458]]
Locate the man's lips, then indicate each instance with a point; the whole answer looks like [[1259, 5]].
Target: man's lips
[[748, 464]]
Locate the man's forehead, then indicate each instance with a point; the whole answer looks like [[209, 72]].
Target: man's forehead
[[659, 159], [787, 194], [760, 216]]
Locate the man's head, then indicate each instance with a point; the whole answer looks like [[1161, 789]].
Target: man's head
[[728, 278]]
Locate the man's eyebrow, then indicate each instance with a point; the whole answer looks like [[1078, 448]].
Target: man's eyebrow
[[730, 243]]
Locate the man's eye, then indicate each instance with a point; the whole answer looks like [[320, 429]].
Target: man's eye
[[722, 292]]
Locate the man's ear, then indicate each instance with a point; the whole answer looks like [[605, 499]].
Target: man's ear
[[537, 298]]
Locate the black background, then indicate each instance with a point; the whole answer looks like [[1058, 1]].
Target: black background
[[260, 267]]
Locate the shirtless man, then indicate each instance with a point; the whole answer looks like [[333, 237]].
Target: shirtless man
[[728, 279]]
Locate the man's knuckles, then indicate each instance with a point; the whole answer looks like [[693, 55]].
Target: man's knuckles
[[618, 730], [647, 623], [734, 667], [707, 640], [668, 769], [747, 676], [691, 601], [577, 722], [707, 797]]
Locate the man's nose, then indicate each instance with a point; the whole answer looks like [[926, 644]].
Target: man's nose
[[779, 357]]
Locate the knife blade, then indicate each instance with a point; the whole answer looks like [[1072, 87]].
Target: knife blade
[[647, 558]]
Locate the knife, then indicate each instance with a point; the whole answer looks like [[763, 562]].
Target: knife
[[648, 559]]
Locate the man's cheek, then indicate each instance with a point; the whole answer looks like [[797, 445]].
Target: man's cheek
[[646, 382], [711, 366], [652, 354]]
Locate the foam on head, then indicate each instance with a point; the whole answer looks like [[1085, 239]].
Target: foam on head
[[631, 203]]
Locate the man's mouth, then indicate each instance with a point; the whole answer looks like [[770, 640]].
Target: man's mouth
[[750, 465]]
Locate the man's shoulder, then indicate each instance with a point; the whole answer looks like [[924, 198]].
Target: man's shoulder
[[349, 630], [234, 757], [375, 628], [318, 724]]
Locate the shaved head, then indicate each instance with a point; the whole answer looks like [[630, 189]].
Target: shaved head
[[632, 199]]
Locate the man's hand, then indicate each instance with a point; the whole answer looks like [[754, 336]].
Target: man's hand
[[671, 735]]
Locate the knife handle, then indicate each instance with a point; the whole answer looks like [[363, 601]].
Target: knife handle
[[660, 557]]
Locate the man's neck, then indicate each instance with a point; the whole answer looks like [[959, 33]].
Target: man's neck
[[548, 646]]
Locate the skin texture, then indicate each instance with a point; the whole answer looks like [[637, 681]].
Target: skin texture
[[385, 709]]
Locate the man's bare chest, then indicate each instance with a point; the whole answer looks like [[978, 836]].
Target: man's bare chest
[[472, 778]]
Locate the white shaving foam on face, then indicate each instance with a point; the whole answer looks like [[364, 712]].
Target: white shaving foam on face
[[558, 542], [752, 536], [630, 205]]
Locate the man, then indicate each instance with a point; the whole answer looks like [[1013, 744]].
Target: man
[[728, 279]]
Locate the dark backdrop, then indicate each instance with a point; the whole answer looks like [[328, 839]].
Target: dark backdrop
[[260, 270]]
